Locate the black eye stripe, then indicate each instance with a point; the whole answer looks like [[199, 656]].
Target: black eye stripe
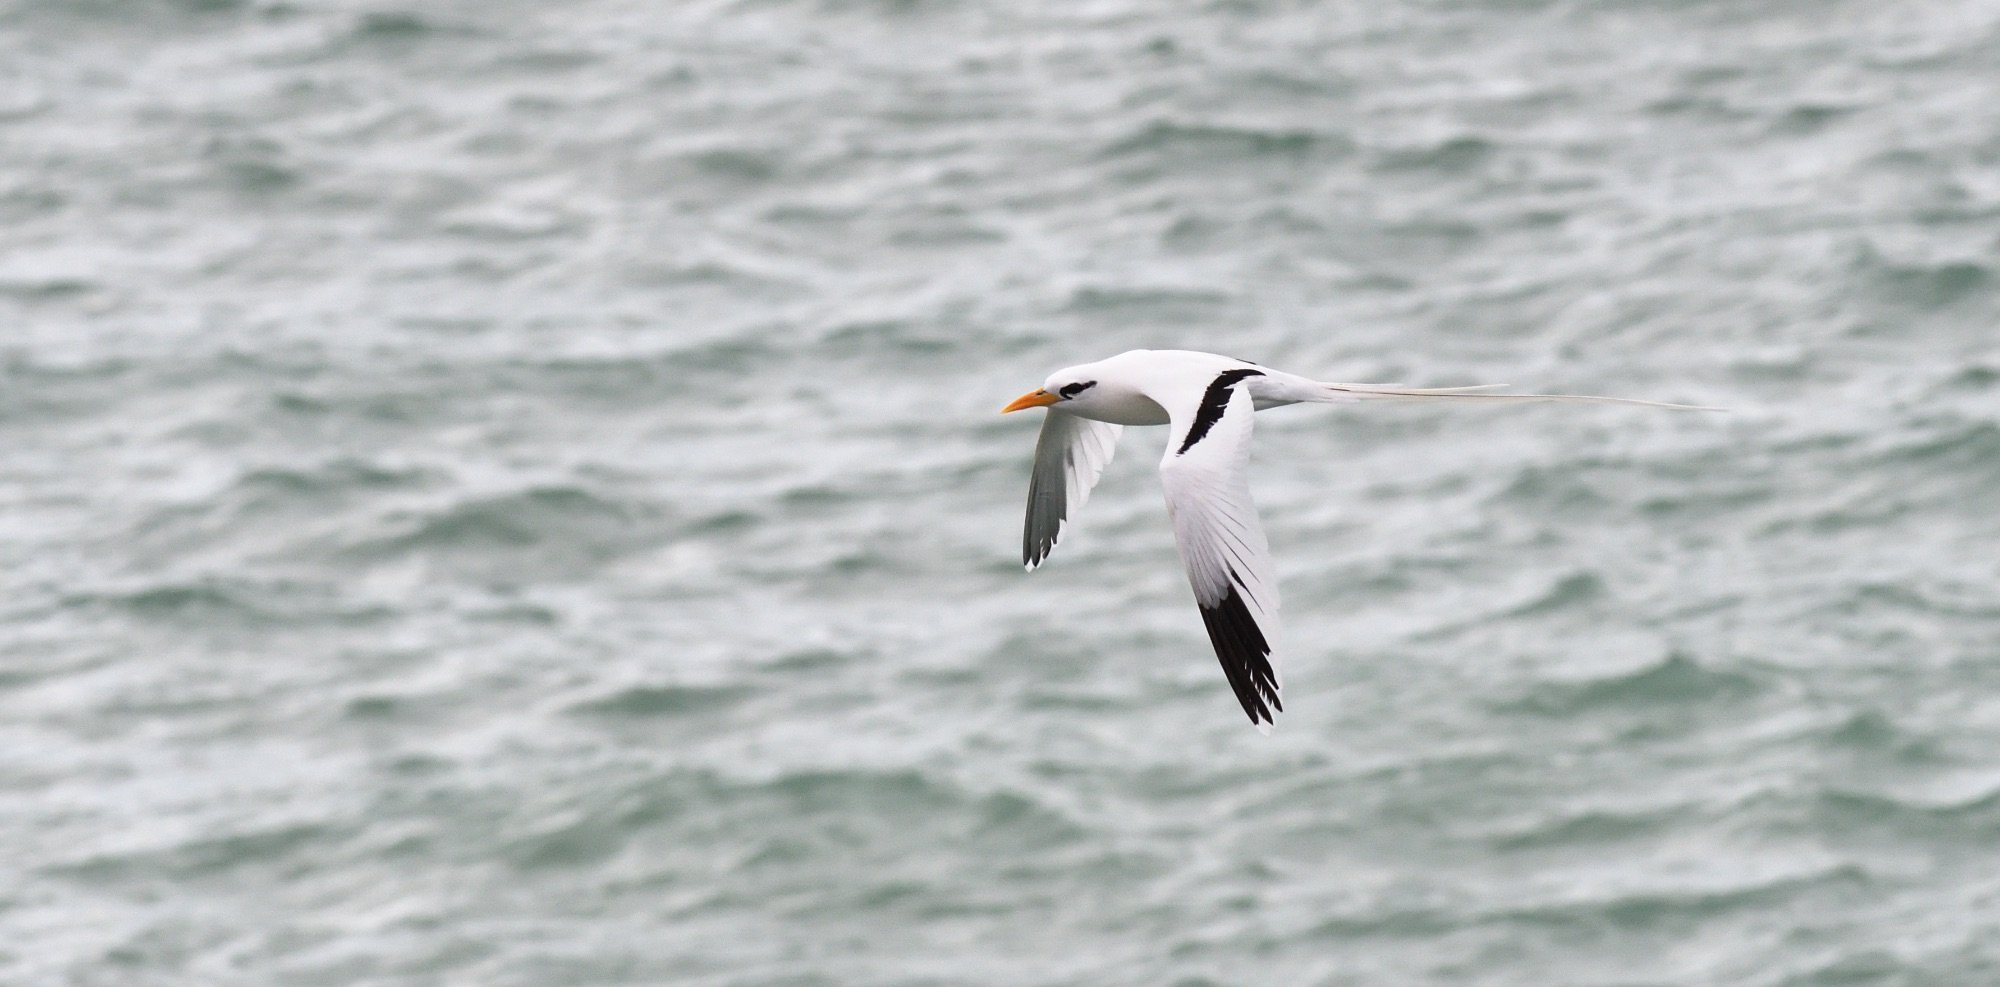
[[1072, 390]]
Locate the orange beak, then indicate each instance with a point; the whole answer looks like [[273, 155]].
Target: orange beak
[[1033, 399]]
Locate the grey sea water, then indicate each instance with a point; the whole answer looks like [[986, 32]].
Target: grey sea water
[[510, 494]]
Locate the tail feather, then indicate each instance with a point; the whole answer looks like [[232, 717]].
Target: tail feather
[[1404, 390], [1479, 392]]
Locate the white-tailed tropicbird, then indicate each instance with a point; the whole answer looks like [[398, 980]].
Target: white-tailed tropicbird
[[1207, 401]]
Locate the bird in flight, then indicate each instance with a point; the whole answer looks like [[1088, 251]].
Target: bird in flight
[[1206, 401]]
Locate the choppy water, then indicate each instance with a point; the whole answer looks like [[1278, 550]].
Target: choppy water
[[510, 494]]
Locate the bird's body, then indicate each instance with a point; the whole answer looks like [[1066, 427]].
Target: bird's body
[[1207, 401]]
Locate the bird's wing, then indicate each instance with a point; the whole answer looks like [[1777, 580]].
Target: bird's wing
[[1069, 457], [1228, 562]]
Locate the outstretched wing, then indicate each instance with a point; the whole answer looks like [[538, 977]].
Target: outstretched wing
[[1069, 457], [1221, 544]]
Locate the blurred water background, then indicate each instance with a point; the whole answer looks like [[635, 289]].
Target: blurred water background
[[508, 493]]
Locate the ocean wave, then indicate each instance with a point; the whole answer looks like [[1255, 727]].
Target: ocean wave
[[388, 30], [896, 793], [887, 338], [1978, 377], [1389, 923], [1461, 153], [561, 526], [332, 478], [1972, 445], [1567, 592], [649, 701], [637, 380], [801, 817], [1937, 598], [1704, 503], [1864, 966], [1555, 488], [1182, 141], [582, 841], [52, 287], [205, 856], [1155, 300], [1670, 906], [1927, 285], [1676, 679], [220, 603], [1874, 733], [1570, 593], [1583, 830], [1850, 812]]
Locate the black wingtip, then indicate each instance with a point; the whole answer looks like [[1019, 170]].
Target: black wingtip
[[1245, 656]]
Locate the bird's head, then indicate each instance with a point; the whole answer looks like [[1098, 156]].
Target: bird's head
[[1062, 387]]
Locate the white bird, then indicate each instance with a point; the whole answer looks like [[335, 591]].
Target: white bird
[[1207, 402]]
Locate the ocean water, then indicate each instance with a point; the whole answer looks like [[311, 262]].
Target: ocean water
[[511, 494]]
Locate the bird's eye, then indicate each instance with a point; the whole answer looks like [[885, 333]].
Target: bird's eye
[[1072, 390]]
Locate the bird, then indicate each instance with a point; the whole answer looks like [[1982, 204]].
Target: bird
[[1206, 401]]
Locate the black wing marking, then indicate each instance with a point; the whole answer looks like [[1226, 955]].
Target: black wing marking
[[1245, 656], [1214, 402]]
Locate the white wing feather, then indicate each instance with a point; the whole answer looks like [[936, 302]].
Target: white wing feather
[[1222, 545], [1069, 457]]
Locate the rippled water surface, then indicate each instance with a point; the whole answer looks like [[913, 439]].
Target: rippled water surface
[[510, 494]]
